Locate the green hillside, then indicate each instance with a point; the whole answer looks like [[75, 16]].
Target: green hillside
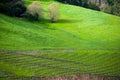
[[81, 41], [77, 28]]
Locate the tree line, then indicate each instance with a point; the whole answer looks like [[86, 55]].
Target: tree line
[[114, 7], [111, 6], [83, 3]]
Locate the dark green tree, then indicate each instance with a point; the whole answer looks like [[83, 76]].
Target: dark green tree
[[12, 7]]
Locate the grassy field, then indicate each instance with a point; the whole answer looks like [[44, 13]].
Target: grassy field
[[77, 28], [54, 64], [81, 41]]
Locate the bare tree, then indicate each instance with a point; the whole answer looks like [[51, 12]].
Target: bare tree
[[35, 9], [53, 12]]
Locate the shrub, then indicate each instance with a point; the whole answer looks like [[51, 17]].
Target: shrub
[[17, 9], [115, 9], [34, 11], [53, 12], [12, 7]]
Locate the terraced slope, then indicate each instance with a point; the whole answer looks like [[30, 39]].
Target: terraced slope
[[54, 64]]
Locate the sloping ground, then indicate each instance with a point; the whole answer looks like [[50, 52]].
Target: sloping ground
[[76, 28], [27, 64], [79, 31]]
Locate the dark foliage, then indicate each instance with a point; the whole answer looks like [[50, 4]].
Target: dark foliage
[[93, 6], [31, 17], [12, 7], [83, 3], [115, 6]]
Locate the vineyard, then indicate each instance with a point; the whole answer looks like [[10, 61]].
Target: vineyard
[[26, 64]]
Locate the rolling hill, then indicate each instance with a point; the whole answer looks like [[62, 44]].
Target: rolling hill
[[77, 28], [81, 41]]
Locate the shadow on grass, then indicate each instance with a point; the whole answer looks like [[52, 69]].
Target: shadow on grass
[[60, 21], [67, 21]]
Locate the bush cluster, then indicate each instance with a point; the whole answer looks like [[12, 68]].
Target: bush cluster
[[33, 12], [12, 7], [36, 12], [114, 7]]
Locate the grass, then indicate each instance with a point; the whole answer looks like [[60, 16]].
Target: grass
[[77, 28], [50, 64], [92, 35]]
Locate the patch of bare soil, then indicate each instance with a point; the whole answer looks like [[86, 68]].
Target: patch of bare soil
[[83, 77], [33, 52], [68, 77]]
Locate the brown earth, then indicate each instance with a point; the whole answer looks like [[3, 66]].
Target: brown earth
[[67, 77]]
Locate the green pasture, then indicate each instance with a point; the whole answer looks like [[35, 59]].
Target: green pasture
[[91, 38], [77, 28]]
